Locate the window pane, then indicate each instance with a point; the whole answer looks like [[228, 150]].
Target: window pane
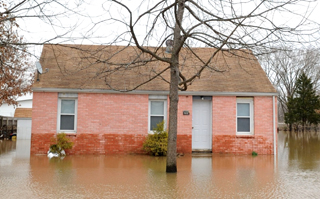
[[243, 125], [67, 122], [157, 108], [154, 121], [243, 109], [67, 106]]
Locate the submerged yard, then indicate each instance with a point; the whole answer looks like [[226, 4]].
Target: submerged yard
[[294, 173]]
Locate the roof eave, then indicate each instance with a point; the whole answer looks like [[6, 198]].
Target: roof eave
[[149, 92]]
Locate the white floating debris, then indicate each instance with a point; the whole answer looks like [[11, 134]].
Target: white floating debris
[[51, 155]]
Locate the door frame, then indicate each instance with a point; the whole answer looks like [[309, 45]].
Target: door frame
[[203, 98]]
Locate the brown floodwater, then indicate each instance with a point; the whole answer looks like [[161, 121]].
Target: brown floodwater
[[293, 173]]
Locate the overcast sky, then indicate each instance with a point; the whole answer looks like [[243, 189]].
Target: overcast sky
[[39, 30]]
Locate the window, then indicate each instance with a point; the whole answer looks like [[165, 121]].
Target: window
[[245, 116], [67, 113], [157, 112]]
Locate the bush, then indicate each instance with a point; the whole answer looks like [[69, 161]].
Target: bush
[[54, 148], [61, 142], [156, 143]]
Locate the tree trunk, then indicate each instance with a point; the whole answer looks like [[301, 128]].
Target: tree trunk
[[173, 96], [173, 120]]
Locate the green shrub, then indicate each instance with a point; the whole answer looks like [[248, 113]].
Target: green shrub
[[156, 143], [54, 149], [61, 142], [254, 153]]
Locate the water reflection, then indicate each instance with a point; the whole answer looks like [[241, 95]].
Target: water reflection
[[23, 149], [296, 174], [303, 147], [7, 146]]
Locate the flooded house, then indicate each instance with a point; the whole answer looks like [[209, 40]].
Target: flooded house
[[85, 92]]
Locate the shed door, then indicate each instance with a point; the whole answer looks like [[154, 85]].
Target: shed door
[[201, 124], [24, 129]]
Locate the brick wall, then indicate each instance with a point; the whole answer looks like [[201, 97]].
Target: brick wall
[[44, 113], [223, 116], [184, 137], [224, 136], [44, 121], [112, 114], [118, 123], [106, 123], [107, 143]]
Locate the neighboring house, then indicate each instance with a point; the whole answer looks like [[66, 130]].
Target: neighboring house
[[24, 101], [230, 112]]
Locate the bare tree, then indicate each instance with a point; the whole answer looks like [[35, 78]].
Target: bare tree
[[284, 66]]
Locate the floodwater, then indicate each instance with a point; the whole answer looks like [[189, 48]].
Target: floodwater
[[294, 173]]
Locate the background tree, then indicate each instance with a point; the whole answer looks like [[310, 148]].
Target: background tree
[[283, 68], [291, 116], [17, 55], [303, 105], [15, 75]]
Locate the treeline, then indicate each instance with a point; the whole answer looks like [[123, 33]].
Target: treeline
[[295, 73]]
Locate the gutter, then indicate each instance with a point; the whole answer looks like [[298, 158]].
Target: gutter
[[152, 92], [274, 129]]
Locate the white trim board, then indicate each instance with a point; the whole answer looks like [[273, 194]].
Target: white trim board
[[204, 93]]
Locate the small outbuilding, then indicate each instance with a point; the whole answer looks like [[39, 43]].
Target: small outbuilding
[[10, 116], [23, 117]]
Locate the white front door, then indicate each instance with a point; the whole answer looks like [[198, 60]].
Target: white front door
[[201, 125]]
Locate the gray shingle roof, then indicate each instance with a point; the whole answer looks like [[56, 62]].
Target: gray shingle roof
[[92, 67]]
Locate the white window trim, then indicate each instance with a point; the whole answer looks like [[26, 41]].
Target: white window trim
[[149, 113], [59, 114], [250, 101]]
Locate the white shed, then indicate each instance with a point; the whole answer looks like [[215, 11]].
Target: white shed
[[22, 113], [23, 116]]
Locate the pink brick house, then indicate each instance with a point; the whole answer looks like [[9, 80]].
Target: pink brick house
[[230, 112]]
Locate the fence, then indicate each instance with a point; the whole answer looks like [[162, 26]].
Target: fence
[[8, 126]]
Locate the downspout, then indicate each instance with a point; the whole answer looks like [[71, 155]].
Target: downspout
[[274, 129]]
